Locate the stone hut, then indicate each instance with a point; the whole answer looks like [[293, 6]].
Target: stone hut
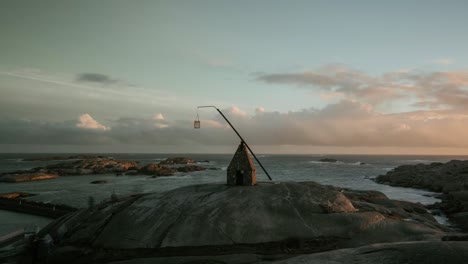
[[241, 170]]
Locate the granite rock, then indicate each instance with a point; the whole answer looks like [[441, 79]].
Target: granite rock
[[177, 160], [450, 178], [218, 216]]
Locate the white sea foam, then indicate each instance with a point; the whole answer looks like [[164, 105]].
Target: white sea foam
[[325, 162], [357, 163], [15, 160], [417, 161]]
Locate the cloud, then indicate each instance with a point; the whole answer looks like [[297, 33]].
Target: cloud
[[159, 121], [259, 110], [236, 111], [352, 117], [57, 97], [158, 116], [95, 78], [25, 132], [88, 122], [419, 89], [327, 96], [441, 89], [212, 124], [336, 80], [344, 124]]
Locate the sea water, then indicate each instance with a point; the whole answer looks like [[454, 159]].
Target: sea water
[[351, 171]]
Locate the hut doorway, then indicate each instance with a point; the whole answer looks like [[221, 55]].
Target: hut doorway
[[239, 177]]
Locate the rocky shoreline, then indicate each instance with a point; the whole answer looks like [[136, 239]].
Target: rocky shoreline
[[450, 179], [287, 222], [89, 165], [15, 202], [274, 222]]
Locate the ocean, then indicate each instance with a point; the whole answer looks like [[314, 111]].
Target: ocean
[[351, 171]]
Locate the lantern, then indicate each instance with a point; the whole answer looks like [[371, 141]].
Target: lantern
[[196, 123]]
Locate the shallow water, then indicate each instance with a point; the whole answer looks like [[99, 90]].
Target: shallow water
[[76, 190], [12, 221]]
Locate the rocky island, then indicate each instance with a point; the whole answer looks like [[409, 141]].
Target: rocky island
[[330, 160], [284, 222], [450, 179], [90, 165]]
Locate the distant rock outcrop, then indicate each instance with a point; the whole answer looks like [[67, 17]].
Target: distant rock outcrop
[[213, 219], [451, 178], [177, 160], [99, 182], [15, 195], [92, 166], [27, 176], [328, 160], [79, 167], [157, 170], [89, 165], [190, 168]]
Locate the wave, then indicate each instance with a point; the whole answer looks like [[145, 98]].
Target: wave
[[357, 163], [15, 160], [360, 163], [325, 162], [417, 161], [50, 192]]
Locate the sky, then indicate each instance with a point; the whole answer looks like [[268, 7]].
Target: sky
[[294, 77]]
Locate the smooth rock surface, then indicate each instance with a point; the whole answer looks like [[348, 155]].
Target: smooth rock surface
[[217, 215], [426, 252], [421, 252]]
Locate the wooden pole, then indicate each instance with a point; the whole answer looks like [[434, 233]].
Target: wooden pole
[[242, 140]]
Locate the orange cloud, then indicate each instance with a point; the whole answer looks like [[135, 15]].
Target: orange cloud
[[88, 122], [432, 90]]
